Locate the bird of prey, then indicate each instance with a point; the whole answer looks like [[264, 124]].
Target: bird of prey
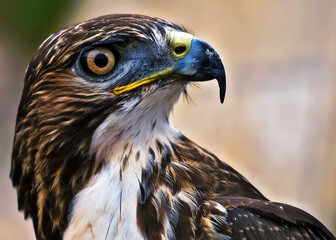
[[95, 156]]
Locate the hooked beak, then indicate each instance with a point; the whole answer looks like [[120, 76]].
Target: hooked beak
[[196, 61]]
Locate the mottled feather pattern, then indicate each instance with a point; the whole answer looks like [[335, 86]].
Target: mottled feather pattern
[[57, 116], [61, 132], [74, 135]]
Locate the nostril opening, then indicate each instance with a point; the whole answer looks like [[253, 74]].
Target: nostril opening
[[180, 49]]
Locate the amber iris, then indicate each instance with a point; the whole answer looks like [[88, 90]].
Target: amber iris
[[100, 61]]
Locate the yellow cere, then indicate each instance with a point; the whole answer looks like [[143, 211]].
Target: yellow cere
[[180, 45], [180, 40]]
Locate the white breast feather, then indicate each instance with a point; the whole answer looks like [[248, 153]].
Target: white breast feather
[[107, 207]]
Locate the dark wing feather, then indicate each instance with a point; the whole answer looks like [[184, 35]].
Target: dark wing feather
[[261, 219]]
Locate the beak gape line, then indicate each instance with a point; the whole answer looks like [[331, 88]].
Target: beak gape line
[[155, 76], [195, 60]]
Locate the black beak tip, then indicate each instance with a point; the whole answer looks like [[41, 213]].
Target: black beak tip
[[222, 96], [221, 79], [222, 91], [218, 72]]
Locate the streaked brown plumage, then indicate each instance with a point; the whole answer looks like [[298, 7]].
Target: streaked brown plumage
[[88, 162]]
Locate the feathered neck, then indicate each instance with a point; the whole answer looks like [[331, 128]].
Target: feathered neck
[[140, 121], [135, 144]]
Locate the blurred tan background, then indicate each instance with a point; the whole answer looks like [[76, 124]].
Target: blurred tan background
[[278, 123]]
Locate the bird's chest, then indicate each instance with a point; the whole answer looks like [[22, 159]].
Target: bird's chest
[[107, 208]]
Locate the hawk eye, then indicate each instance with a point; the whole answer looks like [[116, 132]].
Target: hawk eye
[[99, 61]]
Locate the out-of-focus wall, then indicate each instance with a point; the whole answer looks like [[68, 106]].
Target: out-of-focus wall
[[278, 123]]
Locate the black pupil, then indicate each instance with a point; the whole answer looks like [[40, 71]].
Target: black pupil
[[101, 60]]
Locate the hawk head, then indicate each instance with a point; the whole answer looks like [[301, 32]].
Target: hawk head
[[91, 88]]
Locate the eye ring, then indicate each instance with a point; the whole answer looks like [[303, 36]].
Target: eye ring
[[99, 61]]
